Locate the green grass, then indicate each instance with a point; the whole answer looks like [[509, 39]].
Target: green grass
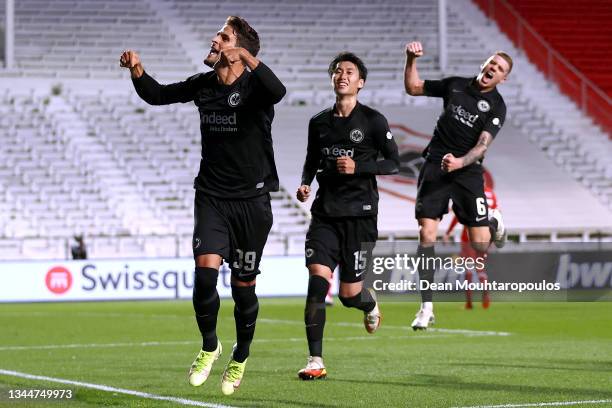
[[555, 352]]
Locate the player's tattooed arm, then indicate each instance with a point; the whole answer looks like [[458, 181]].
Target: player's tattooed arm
[[452, 163], [478, 151], [412, 82]]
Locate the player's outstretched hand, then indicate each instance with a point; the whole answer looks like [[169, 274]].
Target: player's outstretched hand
[[414, 49], [129, 59], [451, 163], [345, 165], [303, 192]]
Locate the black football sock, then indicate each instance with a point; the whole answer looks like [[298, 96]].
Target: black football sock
[[493, 228], [426, 269], [246, 307], [206, 305], [362, 301], [314, 314]]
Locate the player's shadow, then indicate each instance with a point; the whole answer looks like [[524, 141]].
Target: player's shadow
[[458, 383], [266, 402], [588, 366]]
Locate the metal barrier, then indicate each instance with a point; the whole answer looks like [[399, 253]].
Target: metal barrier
[[592, 100]]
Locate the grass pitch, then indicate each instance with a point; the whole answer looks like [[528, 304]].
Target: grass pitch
[[513, 353]]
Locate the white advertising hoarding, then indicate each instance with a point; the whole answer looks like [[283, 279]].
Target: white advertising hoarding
[[170, 278]]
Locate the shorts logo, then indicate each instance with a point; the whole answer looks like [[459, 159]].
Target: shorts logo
[[478, 219], [196, 243], [356, 135], [483, 105], [389, 135], [367, 207], [259, 185], [234, 99], [496, 121], [309, 252]]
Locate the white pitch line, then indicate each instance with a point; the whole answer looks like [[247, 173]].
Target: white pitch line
[[466, 332], [102, 387], [187, 342], [407, 328], [542, 404]]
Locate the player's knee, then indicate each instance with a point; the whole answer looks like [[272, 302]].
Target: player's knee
[[317, 289], [350, 301], [205, 277], [245, 299], [427, 234], [480, 246], [205, 294]]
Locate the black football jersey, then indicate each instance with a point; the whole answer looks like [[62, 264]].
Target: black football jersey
[[362, 136], [235, 123], [467, 113]]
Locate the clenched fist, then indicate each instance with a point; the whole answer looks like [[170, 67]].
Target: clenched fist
[[303, 193], [414, 49], [130, 59], [451, 163], [345, 165]]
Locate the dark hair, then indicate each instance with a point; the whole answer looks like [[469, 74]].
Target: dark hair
[[350, 57], [247, 37]]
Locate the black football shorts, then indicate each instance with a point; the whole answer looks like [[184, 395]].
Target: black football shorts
[[237, 230], [465, 187], [342, 241]]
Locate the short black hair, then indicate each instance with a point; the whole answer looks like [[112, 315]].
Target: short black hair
[[246, 35], [350, 57]]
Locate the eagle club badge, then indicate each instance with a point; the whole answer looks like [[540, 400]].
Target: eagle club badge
[[483, 105], [234, 99], [356, 135]]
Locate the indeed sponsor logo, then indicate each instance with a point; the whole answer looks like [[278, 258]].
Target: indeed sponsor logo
[[336, 151], [215, 118], [134, 279], [583, 274], [462, 115]]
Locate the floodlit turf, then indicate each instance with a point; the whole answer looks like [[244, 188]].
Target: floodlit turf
[[554, 352]]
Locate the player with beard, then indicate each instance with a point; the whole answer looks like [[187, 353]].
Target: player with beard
[[344, 143], [473, 114], [237, 172]]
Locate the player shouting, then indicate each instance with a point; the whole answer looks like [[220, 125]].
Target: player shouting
[[233, 215], [473, 114], [344, 142]]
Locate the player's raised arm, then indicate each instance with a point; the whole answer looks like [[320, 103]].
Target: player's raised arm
[[271, 86], [412, 83], [149, 89]]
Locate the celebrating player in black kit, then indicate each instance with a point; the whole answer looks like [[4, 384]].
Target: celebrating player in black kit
[[344, 142], [473, 114], [233, 215]]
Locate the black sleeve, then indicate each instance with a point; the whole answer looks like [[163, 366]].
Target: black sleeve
[[155, 94], [496, 119], [270, 88], [438, 88], [313, 156], [383, 139]]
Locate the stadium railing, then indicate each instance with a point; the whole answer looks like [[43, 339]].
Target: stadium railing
[[592, 100]]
